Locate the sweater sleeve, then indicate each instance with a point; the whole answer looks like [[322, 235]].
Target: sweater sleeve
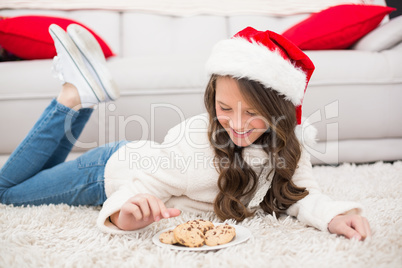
[[152, 168], [316, 209], [153, 172], [110, 206]]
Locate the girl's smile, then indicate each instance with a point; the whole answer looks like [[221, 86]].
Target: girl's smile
[[242, 134], [240, 120]]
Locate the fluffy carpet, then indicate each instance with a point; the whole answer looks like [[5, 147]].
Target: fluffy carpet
[[64, 236]]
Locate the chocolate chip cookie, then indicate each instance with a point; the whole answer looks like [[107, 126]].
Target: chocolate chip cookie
[[220, 235], [202, 225], [168, 238], [189, 235]]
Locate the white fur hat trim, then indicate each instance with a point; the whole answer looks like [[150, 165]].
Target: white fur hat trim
[[239, 58]]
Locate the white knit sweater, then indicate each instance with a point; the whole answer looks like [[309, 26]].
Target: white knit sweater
[[181, 172]]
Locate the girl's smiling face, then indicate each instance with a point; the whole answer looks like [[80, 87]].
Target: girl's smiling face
[[240, 120]]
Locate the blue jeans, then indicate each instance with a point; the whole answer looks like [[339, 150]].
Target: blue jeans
[[36, 173]]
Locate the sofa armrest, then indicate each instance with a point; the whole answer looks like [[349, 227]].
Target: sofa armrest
[[386, 36]]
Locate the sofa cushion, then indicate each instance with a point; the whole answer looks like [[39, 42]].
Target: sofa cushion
[[337, 27], [28, 37], [135, 75], [262, 23], [142, 74], [4, 54], [152, 35], [362, 96], [384, 37]]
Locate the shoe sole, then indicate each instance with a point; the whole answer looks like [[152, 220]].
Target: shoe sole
[[69, 46], [93, 54]]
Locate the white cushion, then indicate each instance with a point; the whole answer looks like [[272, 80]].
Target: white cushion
[[159, 73], [383, 37], [153, 35], [263, 23], [364, 91]]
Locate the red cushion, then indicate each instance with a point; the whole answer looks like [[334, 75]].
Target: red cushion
[[28, 36], [337, 27]]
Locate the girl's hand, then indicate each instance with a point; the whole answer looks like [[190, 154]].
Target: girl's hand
[[351, 226], [140, 211]]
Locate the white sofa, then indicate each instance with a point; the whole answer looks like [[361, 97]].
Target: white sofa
[[353, 97]]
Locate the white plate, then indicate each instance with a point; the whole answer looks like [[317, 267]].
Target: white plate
[[242, 235]]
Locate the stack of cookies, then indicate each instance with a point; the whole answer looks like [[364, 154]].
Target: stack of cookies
[[197, 233]]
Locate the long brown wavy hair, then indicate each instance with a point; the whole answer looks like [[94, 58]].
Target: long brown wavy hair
[[237, 180]]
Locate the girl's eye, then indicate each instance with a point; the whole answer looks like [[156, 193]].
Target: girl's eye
[[251, 113], [225, 109]]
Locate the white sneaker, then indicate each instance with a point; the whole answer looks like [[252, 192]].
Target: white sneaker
[[71, 68], [94, 59]]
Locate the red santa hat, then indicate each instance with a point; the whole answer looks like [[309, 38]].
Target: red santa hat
[[266, 57]]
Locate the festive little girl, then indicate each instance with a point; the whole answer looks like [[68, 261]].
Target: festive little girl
[[247, 151]]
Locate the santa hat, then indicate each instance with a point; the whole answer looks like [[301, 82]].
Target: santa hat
[[266, 57]]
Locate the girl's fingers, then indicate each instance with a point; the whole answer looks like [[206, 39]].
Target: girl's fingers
[[133, 209], [367, 227], [351, 226], [173, 212], [163, 210], [139, 207], [358, 224], [159, 209], [349, 232], [143, 204], [156, 207], [154, 204]]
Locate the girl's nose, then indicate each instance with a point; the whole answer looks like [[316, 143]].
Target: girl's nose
[[237, 122]]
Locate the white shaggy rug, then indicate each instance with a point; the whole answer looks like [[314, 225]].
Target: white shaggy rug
[[63, 236]]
